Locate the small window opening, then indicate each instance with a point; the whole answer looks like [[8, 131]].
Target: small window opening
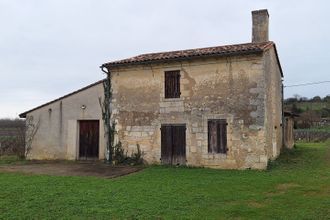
[[217, 136], [172, 84]]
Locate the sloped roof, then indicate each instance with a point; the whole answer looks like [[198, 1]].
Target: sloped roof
[[23, 115], [227, 50]]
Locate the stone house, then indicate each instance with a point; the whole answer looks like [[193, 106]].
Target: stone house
[[217, 107]]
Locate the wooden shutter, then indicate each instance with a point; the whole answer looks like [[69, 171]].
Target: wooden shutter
[[177, 85], [173, 144], [217, 136], [166, 144], [212, 136], [172, 84], [222, 136], [178, 144]]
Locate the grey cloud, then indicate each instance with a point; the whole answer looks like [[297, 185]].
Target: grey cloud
[[49, 48]]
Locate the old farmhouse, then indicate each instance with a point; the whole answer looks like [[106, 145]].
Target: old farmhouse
[[217, 107]]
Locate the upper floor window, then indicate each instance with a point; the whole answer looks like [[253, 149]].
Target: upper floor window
[[172, 84], [217, 136]]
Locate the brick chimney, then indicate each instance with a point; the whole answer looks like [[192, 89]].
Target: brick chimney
[[260, 25]]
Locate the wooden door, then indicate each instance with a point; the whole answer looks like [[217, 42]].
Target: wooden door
[[173, 144], [88, 139]]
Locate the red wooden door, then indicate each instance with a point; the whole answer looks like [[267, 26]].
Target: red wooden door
[[173, 144], [88, 139]]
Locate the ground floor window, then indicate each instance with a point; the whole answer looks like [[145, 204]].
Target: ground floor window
[[217, 136]]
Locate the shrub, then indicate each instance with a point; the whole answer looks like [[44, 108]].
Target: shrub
[[121, 157]]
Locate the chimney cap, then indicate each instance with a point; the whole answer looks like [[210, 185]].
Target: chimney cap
[[260, 11]]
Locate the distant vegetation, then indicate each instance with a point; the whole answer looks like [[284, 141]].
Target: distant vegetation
[[12, 133], [313, 113]]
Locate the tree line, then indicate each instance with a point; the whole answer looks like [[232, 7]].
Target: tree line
[[298, 98], [313, 112]]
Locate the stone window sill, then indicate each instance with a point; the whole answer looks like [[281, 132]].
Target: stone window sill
[[172, 99]]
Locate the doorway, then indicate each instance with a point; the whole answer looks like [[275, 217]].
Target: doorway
[[173, 144], [88, 139]]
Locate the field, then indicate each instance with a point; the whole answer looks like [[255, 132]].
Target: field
[[12, 136], [313, 105], [297, 186]]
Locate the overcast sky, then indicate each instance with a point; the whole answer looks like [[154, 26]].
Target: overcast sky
[[51, 47]]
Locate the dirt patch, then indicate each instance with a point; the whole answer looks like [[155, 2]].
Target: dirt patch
[[286, 186], [275, 193], [63, 168], [282, 189], [322, 191], [255, 204]]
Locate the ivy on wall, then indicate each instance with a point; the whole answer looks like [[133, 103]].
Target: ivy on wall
[[109, 124]]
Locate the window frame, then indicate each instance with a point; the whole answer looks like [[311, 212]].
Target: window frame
[[172, 77], [221, 139]]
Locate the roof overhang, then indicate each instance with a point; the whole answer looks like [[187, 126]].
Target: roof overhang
[[183, 55]]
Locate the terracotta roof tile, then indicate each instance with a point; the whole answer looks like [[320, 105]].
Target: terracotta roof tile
[[234, 49]]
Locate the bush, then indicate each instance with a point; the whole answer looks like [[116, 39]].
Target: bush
[[12, 145], [137, 157], [121, 157], [12, 137]]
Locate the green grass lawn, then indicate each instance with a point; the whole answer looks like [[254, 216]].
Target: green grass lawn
[[297, 186], [316, 129]]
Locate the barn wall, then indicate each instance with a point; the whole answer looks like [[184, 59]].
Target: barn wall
[[214, 88], [57, 135]]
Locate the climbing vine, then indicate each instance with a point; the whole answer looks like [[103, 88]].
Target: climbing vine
[[109, 125], [114, 153], [31, 130]]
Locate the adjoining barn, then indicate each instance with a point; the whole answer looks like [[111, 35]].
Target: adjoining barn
[[217, 107], [69, 127]]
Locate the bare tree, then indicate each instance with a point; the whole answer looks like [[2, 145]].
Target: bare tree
[[31, 130]]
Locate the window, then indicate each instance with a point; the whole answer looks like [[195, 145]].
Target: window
[[217, 136], [172, 84]]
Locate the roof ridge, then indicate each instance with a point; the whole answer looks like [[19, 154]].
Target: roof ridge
[[200, 48], [230, 49]]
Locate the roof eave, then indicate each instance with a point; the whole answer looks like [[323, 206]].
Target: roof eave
[[22, 115], [278, 59], [235, 53]]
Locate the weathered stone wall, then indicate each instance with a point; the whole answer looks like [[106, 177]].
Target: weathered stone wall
[[273, 103], [57, 135], [232, 88], [288, 132]]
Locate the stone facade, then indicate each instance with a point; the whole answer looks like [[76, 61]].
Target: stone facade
[[244, 90]]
